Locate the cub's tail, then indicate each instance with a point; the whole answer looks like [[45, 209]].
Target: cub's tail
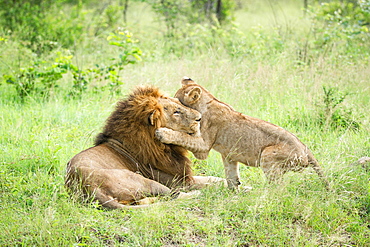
[[315, 165]]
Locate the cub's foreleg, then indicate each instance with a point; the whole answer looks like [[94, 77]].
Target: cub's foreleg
[[232, 173], [192, 143]]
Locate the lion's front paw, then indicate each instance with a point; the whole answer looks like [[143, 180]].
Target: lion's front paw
[[162, 134], [189, 195]]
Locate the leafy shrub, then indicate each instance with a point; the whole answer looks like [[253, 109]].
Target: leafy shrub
[[40, 24], [39, 79], [108, 76], [332, 113], [341, 22]]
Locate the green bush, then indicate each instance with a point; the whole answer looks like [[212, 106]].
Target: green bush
[[41, 78], [341, 22], [332, 113], [42, 25], [108, 76]]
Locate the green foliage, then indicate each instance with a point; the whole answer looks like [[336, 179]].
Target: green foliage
[[212, 10], [108, 76], [341, 21], [130, 53], [333, 114], [177, 12], [173, 13], [40, 78], [107, 17], [39, 25]]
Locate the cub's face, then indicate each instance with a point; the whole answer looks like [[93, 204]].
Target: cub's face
[[192, 96], [179, 117]]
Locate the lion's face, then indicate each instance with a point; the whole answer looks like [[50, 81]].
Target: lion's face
[[179, 117]]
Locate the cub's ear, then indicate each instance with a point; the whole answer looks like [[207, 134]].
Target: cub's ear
[[193, 95], [186, 81], [152, 118]]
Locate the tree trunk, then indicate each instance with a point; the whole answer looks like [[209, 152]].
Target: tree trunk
[[219, 11], [125, 11], [305, 6]]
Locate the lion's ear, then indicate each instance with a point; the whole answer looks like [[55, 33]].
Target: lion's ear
[[186, 81], [151, 118], [193, 95]]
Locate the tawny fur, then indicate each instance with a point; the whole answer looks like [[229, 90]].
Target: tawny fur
[[239, 138], [127, 163]]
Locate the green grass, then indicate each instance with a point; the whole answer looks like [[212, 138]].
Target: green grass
[[38, 137]]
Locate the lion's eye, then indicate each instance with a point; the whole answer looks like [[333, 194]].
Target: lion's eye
[[177, 112]]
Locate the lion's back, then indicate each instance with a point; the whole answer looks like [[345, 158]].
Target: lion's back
[[100, 157]]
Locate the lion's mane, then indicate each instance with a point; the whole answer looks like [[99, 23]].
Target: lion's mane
[[130, 126]]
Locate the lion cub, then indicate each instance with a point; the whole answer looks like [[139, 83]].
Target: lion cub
[[239, 138]]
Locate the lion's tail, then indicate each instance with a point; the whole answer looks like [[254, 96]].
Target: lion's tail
[[315, 165]]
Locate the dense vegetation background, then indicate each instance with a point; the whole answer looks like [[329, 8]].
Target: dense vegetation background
[[303, 65]]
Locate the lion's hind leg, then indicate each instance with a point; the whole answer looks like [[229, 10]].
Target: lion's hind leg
[[113, 203], [118, 188]]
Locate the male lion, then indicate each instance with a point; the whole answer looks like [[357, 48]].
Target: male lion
[[127, 163], [239, 138]]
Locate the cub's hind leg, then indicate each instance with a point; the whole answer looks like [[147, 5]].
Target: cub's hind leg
[[272, 162]]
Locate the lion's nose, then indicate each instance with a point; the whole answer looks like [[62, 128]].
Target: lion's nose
[[198, 120]]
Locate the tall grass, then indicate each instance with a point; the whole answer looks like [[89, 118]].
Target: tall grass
[[38, 137]]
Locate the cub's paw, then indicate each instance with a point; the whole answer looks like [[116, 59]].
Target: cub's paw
[[163, 135], [201, 155]]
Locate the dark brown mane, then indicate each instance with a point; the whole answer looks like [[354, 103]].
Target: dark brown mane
[[129, 124]]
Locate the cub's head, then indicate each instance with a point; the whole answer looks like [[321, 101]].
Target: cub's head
[[177, 117], [193, 95]]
